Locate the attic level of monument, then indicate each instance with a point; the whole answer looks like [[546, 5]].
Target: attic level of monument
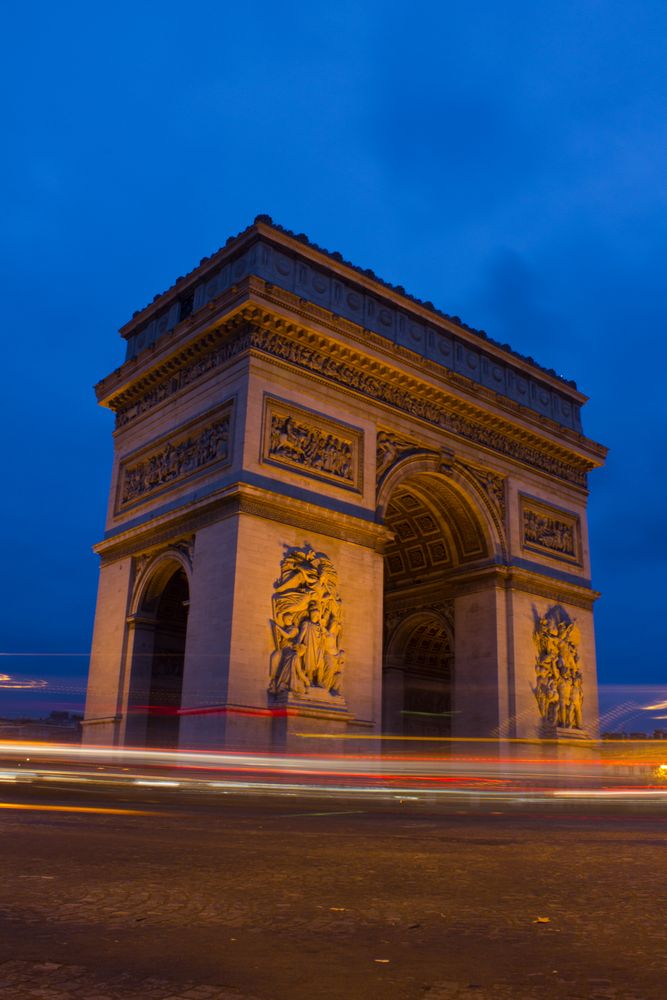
[[297, 266], [336, 511], [261, 320]]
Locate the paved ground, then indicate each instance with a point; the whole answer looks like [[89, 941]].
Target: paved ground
[[241, 898]]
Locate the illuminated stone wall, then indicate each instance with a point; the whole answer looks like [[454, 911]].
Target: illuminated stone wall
[[267, 422]]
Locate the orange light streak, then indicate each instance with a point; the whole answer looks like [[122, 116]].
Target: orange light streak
[[75, 809]]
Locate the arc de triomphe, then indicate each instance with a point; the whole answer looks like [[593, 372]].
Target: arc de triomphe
[[335, 509]]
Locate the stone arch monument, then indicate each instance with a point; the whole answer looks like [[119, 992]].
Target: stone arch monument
[[335, 509]]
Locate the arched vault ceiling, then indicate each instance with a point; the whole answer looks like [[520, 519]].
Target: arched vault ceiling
[[427, 648], [435, 530]]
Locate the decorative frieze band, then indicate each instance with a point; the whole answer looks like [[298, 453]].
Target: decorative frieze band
[[403, 397], [312, 444], [406, 400], [186, 374], [199, 446], [550, 531]]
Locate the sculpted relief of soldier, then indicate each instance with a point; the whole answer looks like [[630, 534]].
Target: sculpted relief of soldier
[[306, 625], [559, 687]]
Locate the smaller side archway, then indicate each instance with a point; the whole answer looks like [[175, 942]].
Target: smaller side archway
[[158, 630], [419, 676]]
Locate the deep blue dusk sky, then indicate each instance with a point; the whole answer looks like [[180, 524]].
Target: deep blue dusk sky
[[507, 161]]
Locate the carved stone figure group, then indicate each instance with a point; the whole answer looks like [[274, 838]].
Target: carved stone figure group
[[310, 447], [559, 688], [306, 625], [174, 461], [549, 533]]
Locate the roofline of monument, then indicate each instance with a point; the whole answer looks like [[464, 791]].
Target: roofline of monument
[[263, 226]]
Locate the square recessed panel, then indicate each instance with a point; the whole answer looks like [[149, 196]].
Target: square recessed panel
[[416, 558], [395, 563], [438, 553], [426, 524], [408, 502], [404, 530]]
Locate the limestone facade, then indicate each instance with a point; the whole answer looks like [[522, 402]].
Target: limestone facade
[[334, 509]]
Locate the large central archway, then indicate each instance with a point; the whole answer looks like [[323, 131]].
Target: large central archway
[[441, 538]]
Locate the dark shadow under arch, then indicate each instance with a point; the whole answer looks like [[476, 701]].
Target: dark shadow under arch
[[418, 677], [160, 626]]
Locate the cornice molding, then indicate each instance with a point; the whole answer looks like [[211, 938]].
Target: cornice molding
[[254, 289], [241, 499], [554, 590], [258, 331], [428, 404], [498, 577], [310, 312]]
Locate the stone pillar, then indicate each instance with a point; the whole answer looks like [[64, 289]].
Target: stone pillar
[[480, 685], [103, 703], [216, 574], [229, 646], [135, 685]]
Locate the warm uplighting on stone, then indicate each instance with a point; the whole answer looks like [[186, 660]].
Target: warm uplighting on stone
[[334, 505]]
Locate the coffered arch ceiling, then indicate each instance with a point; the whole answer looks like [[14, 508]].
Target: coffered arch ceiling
[[423, 644], [436, 530]]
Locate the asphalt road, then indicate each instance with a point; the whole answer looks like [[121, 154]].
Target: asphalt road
[[262, 897]]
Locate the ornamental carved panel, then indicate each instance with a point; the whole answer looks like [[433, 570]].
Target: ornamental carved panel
[[307, 660], [198, 447], [312, 445], [550, 531], [558, 677]]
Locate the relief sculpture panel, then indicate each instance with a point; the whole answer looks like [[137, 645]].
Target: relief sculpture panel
[[198, 447], [559, 687], [550, 531], [311, 444], [306, 625]]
